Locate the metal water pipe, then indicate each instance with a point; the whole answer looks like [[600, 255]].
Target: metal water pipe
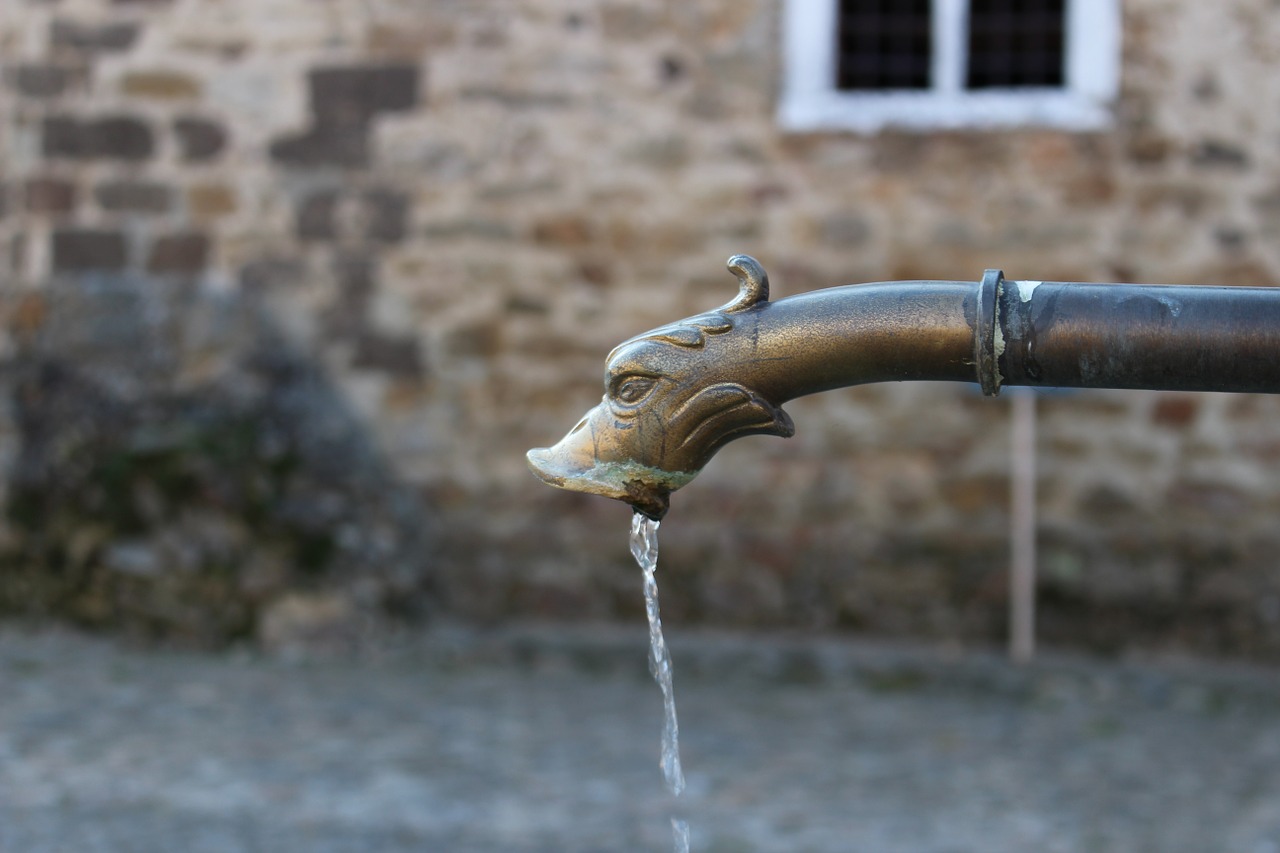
[[675, 395]]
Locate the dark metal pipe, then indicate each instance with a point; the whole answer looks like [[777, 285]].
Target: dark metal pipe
[[1185, 338]]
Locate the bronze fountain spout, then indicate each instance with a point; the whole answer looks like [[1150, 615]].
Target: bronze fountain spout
[[677, 394]]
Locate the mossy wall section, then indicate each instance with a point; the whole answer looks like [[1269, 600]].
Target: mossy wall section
[[180, 480]]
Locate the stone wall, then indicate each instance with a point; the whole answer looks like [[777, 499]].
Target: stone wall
[[452, 210]]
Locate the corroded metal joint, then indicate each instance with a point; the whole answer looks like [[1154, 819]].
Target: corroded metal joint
[[988, 335]]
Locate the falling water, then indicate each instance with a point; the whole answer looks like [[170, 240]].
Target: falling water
[[644, 547]]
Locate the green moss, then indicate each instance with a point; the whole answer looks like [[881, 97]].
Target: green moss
[[137, 484]]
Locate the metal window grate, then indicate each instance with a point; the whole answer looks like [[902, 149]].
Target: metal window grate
[[1016, 43], [884, 44]]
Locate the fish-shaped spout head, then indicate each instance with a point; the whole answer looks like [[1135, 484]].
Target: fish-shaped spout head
[[672, 397]]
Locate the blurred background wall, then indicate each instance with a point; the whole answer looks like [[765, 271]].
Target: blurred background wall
[[289, 286]]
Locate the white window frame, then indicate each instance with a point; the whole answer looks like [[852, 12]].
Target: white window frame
[[810, 100]]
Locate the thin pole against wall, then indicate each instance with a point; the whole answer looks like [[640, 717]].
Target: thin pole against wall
[[1022, 524]]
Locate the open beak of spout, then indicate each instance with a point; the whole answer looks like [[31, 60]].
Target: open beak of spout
[[578, 463]]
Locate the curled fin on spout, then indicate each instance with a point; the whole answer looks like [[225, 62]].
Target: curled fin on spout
[[753, 283]]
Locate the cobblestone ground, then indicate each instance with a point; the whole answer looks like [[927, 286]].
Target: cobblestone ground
[[547, 740]]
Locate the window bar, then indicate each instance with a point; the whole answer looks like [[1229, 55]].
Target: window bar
[[951, 45]]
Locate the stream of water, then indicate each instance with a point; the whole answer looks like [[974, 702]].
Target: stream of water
[[644, 547]]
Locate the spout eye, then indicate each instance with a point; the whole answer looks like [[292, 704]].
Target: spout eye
[[630, 390]]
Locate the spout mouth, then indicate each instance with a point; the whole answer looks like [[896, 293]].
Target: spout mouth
[[648, 490]]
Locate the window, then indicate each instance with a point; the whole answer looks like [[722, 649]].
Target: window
[[869, 64]]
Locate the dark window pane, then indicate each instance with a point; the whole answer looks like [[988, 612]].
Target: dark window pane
[[883, 44], [1016, 43]]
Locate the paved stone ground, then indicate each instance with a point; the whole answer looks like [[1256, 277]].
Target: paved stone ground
[[547, 740]]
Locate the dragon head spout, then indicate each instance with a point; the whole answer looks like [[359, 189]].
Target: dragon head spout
[[672, 397]]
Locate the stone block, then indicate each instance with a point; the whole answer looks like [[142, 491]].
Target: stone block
[[88, 250], [468, 229], [17, 247], [211, 200], [347, 316], [266, 274], [387, 214], [93, 38], [108, 138], [315, 220], [353, 95], [628, 22], [1148, 149], [49, 195], [183, 253], [41, 80], [332, 145], [480, 339], [844, 230], [661, 152], [160, 85], [397, 356], [355, 273], [29, 314], [410, 41], [1215, 153], [199, 139], [1192, 498], [567, 230], [133, 196]]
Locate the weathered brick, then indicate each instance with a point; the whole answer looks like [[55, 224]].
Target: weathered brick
[[1175, 410], [325, 146], [480, 339], [466, 229], [133, 196], [410, 41], [627, 22], [210, 200], [41, 80], [29, 314], [356, 273], [88, 250], [107, 137], [18, 252], [1148, 149], [844, 230], [199, 139], [353, 95], [343, 100], [161, 85], [347, 316], [388, 211], [566, 230], [93, 38], [268, 273], [50, 195], [398, 356], [315, 219], [187, 252], [1215, 152]]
